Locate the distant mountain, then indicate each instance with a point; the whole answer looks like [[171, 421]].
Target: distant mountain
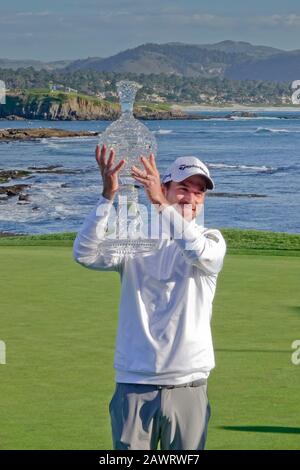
[[36, 64], [242, 47], [278, 67], [84, 64], [236, 60], [231, 59], [170, 58]]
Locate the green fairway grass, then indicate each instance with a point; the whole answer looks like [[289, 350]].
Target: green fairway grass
[[238, 241], [58, 321]]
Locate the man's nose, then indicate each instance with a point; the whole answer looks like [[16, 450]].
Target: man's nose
[[189, 199]]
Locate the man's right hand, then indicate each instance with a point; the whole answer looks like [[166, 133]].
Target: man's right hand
[[109, 174]]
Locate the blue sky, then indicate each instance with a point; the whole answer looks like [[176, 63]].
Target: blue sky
[[70, 29]]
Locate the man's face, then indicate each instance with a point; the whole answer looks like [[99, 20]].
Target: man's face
[[187, 196]]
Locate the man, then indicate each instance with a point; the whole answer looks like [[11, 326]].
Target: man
[[164, 351]]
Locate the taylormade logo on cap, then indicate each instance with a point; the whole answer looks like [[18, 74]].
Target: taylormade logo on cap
[[183, 167]]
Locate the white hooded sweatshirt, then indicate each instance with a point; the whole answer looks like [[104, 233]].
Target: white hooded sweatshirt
[[164, 334]]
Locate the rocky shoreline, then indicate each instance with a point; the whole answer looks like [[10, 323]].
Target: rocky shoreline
[[70, 107], [41, 133], [20, 189], [64, 107], [7, 135]]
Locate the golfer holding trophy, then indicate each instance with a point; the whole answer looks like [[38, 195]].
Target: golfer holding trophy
[[164, 350]]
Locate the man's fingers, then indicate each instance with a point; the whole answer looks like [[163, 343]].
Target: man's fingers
[[148, 179], [118, 167], [111, 158], [142, 180], [137, 171], [97, 154], [152, 160], [100, 156], [147, 165], [145, 177]]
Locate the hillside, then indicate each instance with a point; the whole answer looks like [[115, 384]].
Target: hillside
[[226, 59], [15, 64], [181, 59], [238, 60], [280, 67], [243, 47]]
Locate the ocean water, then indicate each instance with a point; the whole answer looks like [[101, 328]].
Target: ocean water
[[255, 163]]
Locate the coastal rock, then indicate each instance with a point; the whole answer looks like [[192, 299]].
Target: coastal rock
[[23, 197], [147, 114], [13, 190], [59, 169], [42, 168], [243, 114], [12, 117], [6, 175], [65, 107], [41, 133], [61, 106]]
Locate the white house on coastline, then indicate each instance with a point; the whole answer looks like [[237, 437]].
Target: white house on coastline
[[65, 89]]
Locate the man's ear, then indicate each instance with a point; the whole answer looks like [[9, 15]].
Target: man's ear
[[164, 189]]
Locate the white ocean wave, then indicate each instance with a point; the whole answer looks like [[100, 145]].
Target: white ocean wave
[[240, 118], [163, 131], [262, 168], [268, 130]]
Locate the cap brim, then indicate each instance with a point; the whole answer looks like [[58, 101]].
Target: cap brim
[[209, 182]]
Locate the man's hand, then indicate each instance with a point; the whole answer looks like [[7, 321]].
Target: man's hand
[[150, 178], [109, 174]]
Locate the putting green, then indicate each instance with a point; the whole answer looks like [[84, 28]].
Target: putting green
[[59, 320]]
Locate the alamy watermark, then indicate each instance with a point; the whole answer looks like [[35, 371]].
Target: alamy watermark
[[2, 92], [136, 220], [295, 358], [2, 352], [296, 94]]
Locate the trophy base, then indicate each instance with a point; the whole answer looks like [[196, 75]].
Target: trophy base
[[128, 246]]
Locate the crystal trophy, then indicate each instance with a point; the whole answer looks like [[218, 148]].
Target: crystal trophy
[[130, 139]]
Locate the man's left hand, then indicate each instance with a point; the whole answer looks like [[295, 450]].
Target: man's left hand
[[150, 179]]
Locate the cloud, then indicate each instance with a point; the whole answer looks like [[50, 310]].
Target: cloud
[[23, 17], [290, 20], [165, 17], [205, 19], [33, 13]]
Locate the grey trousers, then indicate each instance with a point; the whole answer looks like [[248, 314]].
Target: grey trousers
[[144, 415]]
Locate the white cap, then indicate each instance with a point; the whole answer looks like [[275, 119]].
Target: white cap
[[183, 167]]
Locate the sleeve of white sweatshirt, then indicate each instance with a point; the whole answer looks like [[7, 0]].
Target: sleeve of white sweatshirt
[[87, 244], [204, 249]]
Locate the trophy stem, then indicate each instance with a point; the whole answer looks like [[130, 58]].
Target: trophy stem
[[128, 211]]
